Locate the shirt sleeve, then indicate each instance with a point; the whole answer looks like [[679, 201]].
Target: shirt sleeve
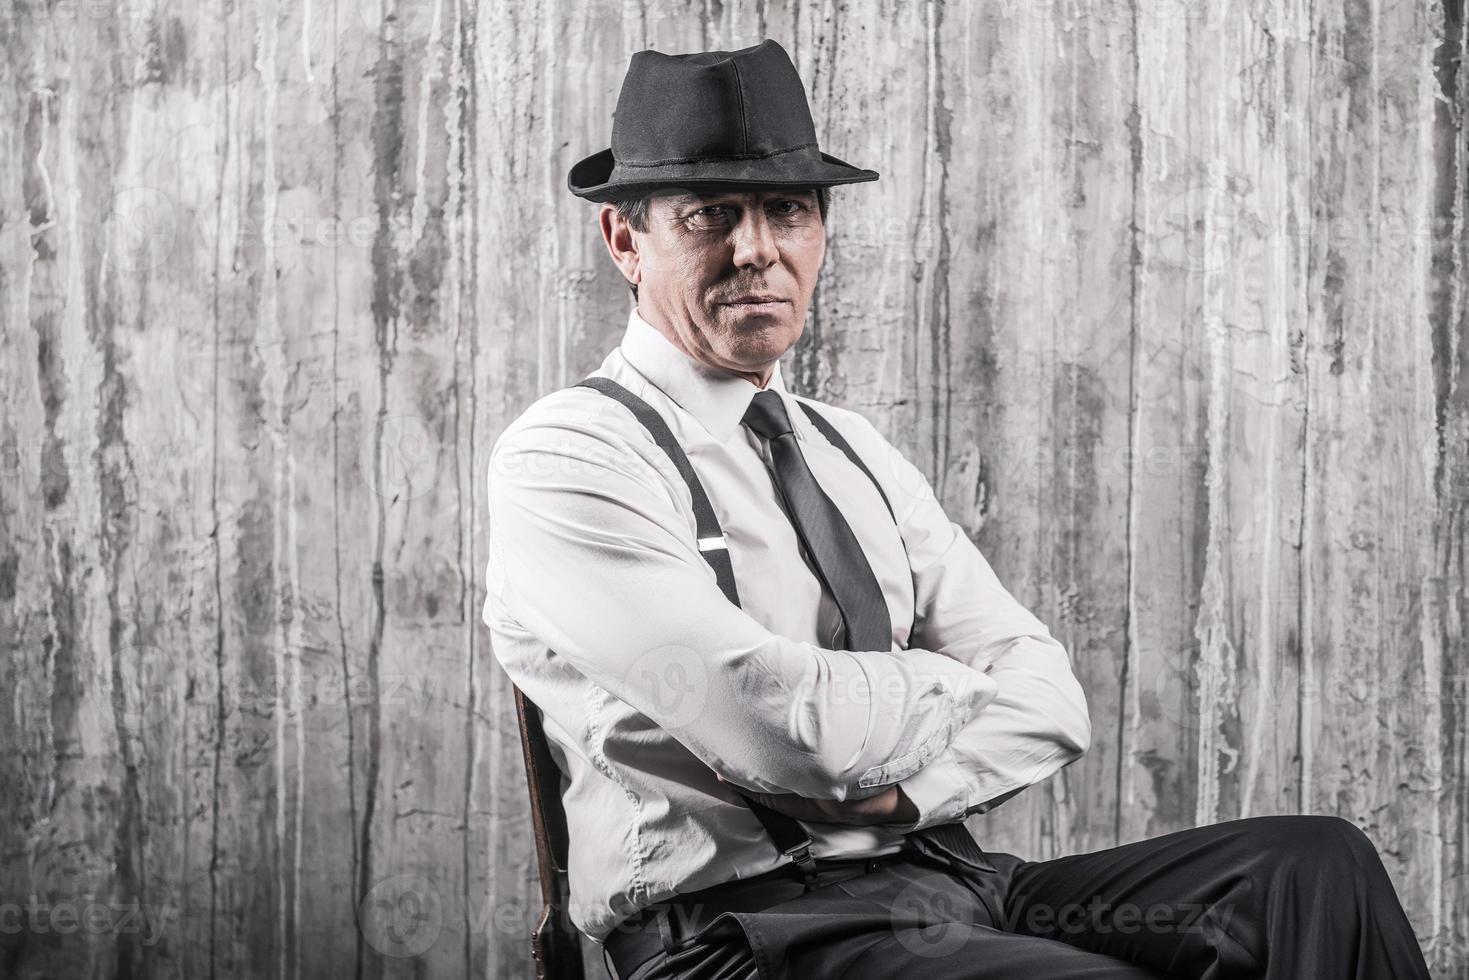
[[1038, 723], [600, 562]]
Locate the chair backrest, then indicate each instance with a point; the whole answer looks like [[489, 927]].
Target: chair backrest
[[555, 942]]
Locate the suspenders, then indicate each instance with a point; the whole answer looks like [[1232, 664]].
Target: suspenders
[[790, 837], [710, 534]]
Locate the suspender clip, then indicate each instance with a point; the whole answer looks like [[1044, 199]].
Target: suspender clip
[[801, 855]]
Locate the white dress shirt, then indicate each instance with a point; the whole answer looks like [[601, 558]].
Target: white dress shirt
[[604, 612]]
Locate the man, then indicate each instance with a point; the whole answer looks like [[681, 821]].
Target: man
[[774, 673]]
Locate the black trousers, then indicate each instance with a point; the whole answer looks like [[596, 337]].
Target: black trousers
[[1279, 898]]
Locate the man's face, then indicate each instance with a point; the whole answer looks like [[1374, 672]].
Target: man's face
[[729, 273]]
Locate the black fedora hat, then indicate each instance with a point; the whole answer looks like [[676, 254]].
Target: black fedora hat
[[710, 119]]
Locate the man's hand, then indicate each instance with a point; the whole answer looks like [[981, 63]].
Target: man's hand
[[890, 806]]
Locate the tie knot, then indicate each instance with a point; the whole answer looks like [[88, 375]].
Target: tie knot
[[767, 415]]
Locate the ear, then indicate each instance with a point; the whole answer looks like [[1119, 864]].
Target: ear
[[621, 243]]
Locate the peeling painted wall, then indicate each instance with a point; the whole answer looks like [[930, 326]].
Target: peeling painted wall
[[1168, 298]]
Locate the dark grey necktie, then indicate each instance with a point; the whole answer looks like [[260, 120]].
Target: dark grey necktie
[[829, 540], [824, 532]]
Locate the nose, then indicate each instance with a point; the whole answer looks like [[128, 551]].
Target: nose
[[754, 242]]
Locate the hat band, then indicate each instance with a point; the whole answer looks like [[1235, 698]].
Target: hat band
[[717, 159]]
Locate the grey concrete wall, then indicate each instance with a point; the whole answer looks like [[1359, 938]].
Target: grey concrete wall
[[1167, 298]]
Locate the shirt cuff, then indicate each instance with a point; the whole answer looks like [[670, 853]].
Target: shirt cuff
[[940, 791]]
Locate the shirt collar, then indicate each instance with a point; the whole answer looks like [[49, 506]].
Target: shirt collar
[[714, 397]]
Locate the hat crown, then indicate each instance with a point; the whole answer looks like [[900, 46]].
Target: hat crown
[[710, 119], [705, 105]]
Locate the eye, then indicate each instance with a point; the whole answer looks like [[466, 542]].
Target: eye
[[709, 216], [795, 207]]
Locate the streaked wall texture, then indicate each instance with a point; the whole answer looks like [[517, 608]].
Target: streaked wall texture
[[1168, 297]]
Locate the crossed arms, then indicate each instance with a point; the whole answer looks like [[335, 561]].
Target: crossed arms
[[607, 573]]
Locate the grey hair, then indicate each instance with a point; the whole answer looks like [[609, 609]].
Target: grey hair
[[635, 210]]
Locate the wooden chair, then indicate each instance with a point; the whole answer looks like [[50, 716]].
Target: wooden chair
[[555, 942]]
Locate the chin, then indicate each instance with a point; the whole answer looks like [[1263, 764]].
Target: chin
[[762, 347]]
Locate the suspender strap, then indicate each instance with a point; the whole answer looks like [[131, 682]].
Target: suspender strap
[[840, 441], [710, 534]]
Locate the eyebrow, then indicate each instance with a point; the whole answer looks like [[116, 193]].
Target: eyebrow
[[692, 197]]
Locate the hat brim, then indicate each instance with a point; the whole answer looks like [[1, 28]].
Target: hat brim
[[599, 178]]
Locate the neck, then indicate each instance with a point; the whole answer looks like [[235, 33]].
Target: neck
[[759, 378]]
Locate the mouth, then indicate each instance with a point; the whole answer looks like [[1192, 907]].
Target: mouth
[[755, 303]]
